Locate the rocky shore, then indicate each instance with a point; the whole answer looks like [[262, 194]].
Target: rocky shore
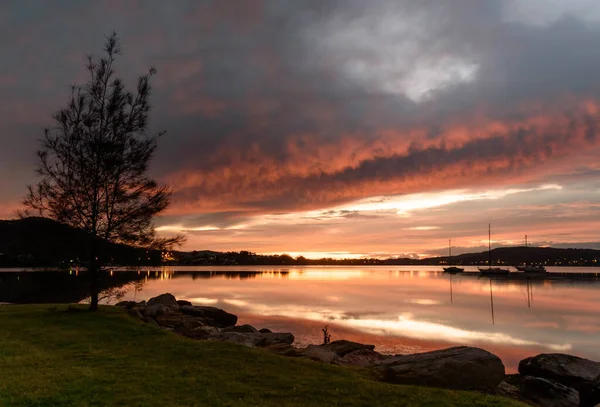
[[548, 380]]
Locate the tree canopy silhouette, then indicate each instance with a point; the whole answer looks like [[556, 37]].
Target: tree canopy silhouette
[[93, 164]]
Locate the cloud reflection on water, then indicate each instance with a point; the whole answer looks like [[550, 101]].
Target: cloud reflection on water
[[401, 309]]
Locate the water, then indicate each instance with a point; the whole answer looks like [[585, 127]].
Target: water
[[403, 309]]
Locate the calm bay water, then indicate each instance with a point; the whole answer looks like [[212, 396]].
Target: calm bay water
[[403, 309]]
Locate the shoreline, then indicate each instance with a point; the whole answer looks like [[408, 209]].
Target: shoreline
[[540, 379]]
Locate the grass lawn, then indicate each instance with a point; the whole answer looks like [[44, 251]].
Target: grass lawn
[[53, 358]]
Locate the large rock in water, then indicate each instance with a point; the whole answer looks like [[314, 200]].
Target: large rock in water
[[569, 370], [462, 368], [164, 299], [213, 316]]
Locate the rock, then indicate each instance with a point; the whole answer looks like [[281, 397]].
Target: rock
[[461, 368], [265, 331], [569, 370], [153, 311], [126, 304], [214, 316], [590, 394], [164, 299], [181, 303], [241, 329], [201, 332], [361, 357], [510, 391], [178, 320], [342, 347], [540, 392], [337, 349], [319, 353]]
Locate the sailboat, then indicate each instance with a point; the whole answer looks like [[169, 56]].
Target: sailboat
[[531, 268], [451, 269], [491, 271]]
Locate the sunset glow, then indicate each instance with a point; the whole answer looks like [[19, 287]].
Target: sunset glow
[[370, 129]]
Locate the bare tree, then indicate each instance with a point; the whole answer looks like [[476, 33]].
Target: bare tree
[[93, 164]]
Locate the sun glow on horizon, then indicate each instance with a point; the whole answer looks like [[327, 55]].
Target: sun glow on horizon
[[413, 225]]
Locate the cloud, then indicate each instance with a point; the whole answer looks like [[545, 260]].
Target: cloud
[[275, 107]]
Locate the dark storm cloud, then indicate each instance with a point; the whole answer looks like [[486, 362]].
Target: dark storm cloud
[[252, 92]]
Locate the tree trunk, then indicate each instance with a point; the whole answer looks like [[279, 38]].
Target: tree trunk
[[94, 272]]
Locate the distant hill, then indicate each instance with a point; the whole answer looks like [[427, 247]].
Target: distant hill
[[41, 242], [504, 256], [521, 254]]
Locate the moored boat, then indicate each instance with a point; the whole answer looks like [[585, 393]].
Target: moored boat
[[489, 270], [532, 268], [452, 269]]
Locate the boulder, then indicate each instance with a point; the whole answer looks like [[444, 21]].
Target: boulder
[[126, 304], [181, 303], [361, 357], [510, 391], [153, 311], [539, 391], [241, 329], [265, 331], [337, 349], [319, 353], [461, 368], [590, 394], [177, 320], [342, 347], [201, 332], [164, 299], [568, 370], [250, 340], [214, 316]]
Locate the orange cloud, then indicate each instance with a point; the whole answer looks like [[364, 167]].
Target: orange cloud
[[314, 174]]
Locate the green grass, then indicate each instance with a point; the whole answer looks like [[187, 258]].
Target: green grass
[[53, 358]]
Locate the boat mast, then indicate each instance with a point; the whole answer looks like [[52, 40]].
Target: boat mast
[[490, 244], [525, 240], [449, 250]]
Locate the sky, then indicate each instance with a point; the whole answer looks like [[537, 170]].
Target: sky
[[336, 128]]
